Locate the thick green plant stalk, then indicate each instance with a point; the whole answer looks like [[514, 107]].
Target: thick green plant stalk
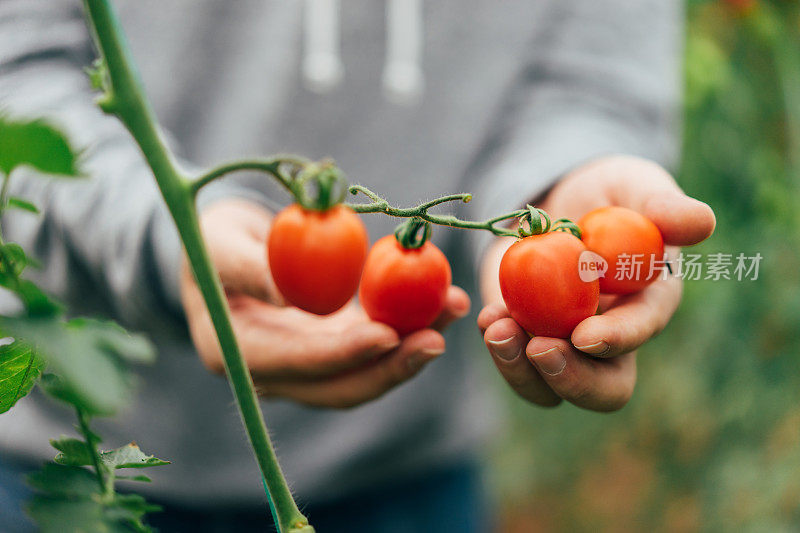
[[124, 97]]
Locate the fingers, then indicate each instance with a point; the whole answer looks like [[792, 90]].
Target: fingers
[[298, 349], [456, 306], [506, 342], [236, 234], [591, 383], [682, 220], [648, 188], [279, 343], [369, 382], [491, 314], [630, 321]]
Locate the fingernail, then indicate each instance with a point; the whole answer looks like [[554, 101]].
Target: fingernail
[[552, 362], [507, 349], [418, 360], [598, 348]]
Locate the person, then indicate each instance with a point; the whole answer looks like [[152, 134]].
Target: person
[[570, 104]]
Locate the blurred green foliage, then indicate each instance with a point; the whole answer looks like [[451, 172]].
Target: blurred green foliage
[[711, 439]]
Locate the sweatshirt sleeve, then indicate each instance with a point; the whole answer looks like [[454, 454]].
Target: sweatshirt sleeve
[[107, 243], [601, 78]]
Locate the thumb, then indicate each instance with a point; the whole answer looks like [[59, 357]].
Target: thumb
[[236, 234], [682, 220], [649, 189]]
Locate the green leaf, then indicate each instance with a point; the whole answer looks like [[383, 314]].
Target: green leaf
[[54, 514], [87, 356], [19, 203], [13, 257], [130, 456], [113, 338], [19, 369], [60, 480], [70, 499], [73, 452], [36, 144], [141, 478], [37, 303], [13, 262], [130, 507]]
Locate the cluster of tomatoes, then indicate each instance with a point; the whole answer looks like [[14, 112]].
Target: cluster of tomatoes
[[320, 258], [540, 275]]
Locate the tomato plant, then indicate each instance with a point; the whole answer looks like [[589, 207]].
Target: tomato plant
[[404, 288], [629, 242], [79, 362], [541, 285], [318, 247], [316, 257]]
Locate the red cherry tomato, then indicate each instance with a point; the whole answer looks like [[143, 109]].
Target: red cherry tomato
[[542, 287], [404, 288], [629, 242], [316, 257]]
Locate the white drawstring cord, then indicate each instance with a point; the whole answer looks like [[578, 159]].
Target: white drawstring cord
[[322, 63], [403, 79]]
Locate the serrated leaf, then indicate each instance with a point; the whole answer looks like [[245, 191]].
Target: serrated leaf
[[73, 452], [36, 144], [86, 355], [130, 456], [19, 369], [68, 481], [19, 203]]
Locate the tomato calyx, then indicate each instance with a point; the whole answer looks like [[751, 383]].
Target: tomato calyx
[[536, 221], [327, 181], [408, 233]]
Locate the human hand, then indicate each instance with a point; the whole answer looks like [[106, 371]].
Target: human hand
[[596, 367], [340, 360]]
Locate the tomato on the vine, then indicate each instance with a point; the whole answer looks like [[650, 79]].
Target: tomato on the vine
[[404, 288], [542, 287], [316, 257], [629, 242]]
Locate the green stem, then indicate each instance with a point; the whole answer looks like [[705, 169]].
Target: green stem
[[125, 99], [3, 200], [106, 483], [270, 166], [380, 205]]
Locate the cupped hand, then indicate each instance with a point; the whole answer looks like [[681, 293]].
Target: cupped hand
[[596, 367], [340, 360]]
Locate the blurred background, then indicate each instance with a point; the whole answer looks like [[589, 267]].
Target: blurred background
[[711, 439]]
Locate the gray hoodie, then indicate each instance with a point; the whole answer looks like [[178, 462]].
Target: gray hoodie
[[414, 99]]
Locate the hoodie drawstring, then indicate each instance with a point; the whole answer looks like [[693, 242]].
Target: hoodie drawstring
[[403, 80], [323, 69], [322, 65]]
